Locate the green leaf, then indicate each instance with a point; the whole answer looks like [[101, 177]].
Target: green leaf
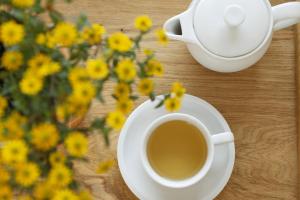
[[55, 16], [152, 96], [4, 1], [74, 185], [64, 130], [57, 55], [160, 104], [99, 87], [133, 97], [5, 16], [18, 14], [37, 8], [35, 25], [105, 132], [82, 21], [114, 96], [100, 98], [50, 2], [21, 104], [98, 123], [142, 74]]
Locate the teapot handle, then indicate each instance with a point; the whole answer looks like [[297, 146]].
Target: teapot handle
[[285, 15]]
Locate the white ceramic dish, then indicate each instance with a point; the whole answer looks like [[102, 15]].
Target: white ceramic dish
[[131, 166]]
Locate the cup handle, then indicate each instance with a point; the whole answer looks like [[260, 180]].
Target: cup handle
[[285, 15], [222, 138]]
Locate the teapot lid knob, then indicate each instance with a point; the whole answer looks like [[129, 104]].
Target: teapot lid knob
[[234, 15]]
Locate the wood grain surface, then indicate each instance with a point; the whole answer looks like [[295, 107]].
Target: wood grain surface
[[259, 104], [298, 98]]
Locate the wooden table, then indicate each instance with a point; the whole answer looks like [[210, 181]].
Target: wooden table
[[259, 104]]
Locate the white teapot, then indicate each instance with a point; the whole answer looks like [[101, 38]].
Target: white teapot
[[230, 35]]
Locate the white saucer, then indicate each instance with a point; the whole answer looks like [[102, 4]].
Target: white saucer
[[138, 180]]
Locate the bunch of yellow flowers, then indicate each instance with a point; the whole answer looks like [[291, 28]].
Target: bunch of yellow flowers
[[49, 74]]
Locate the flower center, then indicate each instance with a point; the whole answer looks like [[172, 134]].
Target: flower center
[[15, 151]]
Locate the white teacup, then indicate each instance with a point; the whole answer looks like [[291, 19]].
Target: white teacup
[[211, 141]]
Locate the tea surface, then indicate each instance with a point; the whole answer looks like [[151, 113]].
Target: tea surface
[[176, 150]]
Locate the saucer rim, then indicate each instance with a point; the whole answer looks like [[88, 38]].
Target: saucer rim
[[120, 145]]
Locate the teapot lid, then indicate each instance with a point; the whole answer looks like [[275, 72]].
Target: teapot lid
[[232, 28]]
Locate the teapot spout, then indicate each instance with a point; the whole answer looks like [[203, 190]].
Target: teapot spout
[[173, 28], [180, 27]]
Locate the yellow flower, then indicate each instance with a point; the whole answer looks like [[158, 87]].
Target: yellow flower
[[17, 118], [49, 69], [115, 119], [148, 52], [77, 75], [121, 90], [57, 158], [13, 130], [23, 3], [36, 62], [3, 134], [14, 151], [98, 29], [70, 107], [24, 197], [105, 166], [60, 176], [145, 86], [12, 60], [6, 193], [93, 35], [50, 40], [31, 85], [42, 191], [154, 67], [85, 195], [27, 174], [119, 42], [162, 37], [44, 136], [84, 92], [125, 105], [41, 39], [172, 104], [126, 70], [61, 112], [97, 68], [65, 194], [76, 108], [87, 35], [143, 23], [65, 34], [4, 175], [14, 126], [76, 144], [12, 33], [178, 90], [3, 105]]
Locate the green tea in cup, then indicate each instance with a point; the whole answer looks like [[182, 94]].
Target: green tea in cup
[[176, 150]]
